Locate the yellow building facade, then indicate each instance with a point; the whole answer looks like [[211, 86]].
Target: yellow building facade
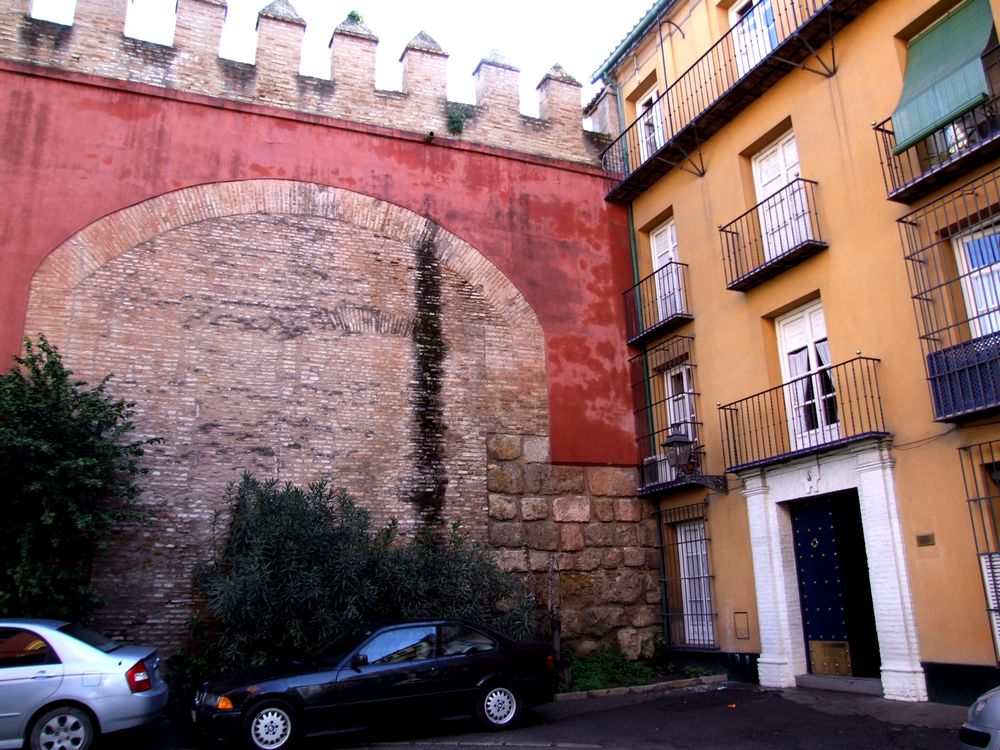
[[814, 194]]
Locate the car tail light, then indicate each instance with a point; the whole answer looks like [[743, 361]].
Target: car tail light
[[138, 678], [550, 662]]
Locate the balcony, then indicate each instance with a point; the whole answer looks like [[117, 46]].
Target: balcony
[[831, 407], [952, 251], [779, 232], [667, 426], [776, 37], [959, 146], [657, 304], [965, 378]]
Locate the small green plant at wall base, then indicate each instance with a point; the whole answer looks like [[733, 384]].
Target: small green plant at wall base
[[607, 669], [695, 671]]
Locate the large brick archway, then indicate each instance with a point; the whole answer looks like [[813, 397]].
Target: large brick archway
[[300, 332], [304, 332]]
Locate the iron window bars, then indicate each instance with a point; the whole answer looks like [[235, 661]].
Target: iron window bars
[[952, 251], [667, 428], [689, 610], [981, 472]]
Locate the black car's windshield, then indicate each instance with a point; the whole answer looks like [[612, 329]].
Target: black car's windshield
[[98, 641], [336, 648]]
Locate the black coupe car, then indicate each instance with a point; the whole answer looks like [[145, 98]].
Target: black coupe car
[[433, 668]]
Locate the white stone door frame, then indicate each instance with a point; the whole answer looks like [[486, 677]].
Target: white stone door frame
[[865, 467]]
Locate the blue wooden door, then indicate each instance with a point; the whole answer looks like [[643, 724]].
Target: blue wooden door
[[835, 593]]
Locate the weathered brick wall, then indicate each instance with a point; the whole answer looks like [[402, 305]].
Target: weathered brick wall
[[95, 44], [302, 332]]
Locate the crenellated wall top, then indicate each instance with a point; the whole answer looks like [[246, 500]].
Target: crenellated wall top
[[181, 51]]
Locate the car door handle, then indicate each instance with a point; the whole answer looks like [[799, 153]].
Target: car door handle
[[42, 676]]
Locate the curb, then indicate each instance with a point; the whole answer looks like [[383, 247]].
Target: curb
[[653, 687]]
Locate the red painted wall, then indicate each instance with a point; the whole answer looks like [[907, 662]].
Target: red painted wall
[[74, 149]]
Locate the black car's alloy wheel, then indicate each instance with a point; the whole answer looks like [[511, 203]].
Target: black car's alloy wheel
[[62, 728], [270, 725], [498, 707]]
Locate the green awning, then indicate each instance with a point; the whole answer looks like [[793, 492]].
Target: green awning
[[944, 73]]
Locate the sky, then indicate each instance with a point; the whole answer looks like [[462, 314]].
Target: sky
[[531, 35]]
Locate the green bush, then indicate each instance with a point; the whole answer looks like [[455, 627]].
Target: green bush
[[450, 576], [291, 568], [607, 669], [67, 464]]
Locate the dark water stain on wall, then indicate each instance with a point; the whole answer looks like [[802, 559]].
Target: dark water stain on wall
[[430, 477]]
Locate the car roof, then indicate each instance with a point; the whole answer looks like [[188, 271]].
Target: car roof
[[374, 624], [32, 622]]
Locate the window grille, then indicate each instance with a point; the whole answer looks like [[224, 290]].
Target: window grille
[[981, 471], [691, 618], [952, 252]]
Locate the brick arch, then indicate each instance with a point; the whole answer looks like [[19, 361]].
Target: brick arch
[[112, 235], [277, 327]]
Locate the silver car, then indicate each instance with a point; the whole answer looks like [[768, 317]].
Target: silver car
[[62, 685], [981, 731]]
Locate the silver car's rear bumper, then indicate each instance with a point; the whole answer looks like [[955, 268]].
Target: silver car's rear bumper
[[133, 709]]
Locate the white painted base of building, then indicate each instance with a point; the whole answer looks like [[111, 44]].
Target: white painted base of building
[[865, 467]]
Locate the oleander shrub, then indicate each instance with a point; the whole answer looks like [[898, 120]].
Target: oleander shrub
[[292, 567]]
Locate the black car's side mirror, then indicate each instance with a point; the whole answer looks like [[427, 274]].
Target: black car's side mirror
[[359, 660]]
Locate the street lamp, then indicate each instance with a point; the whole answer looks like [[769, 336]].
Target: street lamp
[[680, 453]]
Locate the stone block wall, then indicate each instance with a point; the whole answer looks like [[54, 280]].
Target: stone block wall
[[95, 44], [585, 527]]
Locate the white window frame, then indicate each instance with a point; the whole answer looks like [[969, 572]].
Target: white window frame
[[695, 583], [678, 389], [754, 34], [980, 283], [663, 249], [649, 116], [809, 391], [990, 564], [782, 205]]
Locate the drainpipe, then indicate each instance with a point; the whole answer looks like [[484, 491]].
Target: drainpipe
[[662, 546], [661, 543]]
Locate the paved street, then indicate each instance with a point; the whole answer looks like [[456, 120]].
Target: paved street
[[727, 715]]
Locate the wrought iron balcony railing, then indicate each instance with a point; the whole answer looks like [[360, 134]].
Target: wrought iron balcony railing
[[952, 251], [657, 304], [780, 231], [772, 39], [833, 406], [960, 145], [666, 419]]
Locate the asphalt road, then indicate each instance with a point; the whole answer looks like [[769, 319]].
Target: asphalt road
[[727, 715]]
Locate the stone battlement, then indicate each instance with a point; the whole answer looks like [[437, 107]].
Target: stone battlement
[[89, 36]]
